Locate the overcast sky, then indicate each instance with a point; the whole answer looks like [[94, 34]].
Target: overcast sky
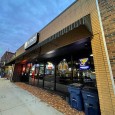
[[20, 19]]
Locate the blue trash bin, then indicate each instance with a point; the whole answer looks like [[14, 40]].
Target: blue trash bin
[[76, 100], [91, 101]]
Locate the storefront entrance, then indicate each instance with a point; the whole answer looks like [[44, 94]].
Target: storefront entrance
[[70, 64]]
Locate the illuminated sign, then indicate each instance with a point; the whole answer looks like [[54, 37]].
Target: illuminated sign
[[31, 41], [63, 66], [50, 65], [83, 63]]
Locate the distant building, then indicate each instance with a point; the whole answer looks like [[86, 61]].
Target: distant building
[[5, 70], [6, 57]]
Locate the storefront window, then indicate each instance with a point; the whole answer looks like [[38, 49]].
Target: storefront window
[[64, 75], [28, 67], [49, 68], [41, 71], [84, 72], [41, 75], [64, 72], [63, 67], [25, 72], [75, 71], [23, 69], [49, 76], [34, 71]]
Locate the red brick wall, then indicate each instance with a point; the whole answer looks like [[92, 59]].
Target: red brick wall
[[7, 56]]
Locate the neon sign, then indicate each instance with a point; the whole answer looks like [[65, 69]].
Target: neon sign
[[83, 63]]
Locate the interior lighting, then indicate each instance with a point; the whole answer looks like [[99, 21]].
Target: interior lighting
[[84, 67], [91, 55], [77, 63], [50, 52]]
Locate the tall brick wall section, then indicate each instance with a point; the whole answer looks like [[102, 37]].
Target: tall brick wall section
[[107, 9], [7, 56], [103, 77]]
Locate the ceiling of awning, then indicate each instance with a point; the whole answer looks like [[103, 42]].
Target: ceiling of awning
[[78, 49]]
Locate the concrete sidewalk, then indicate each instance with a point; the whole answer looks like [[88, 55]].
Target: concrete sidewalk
[[16, 101]]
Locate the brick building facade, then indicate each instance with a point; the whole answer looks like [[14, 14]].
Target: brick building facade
[[7, 56], [107, 10], [94, 19]]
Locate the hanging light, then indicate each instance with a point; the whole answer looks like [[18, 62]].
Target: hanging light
[[50, 52], [91, 55], [77, 63]]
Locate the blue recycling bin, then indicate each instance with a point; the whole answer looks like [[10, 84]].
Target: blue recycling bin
[[91, 101], [76, 100]]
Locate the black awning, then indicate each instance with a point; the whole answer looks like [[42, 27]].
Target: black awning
[[83, 46]]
